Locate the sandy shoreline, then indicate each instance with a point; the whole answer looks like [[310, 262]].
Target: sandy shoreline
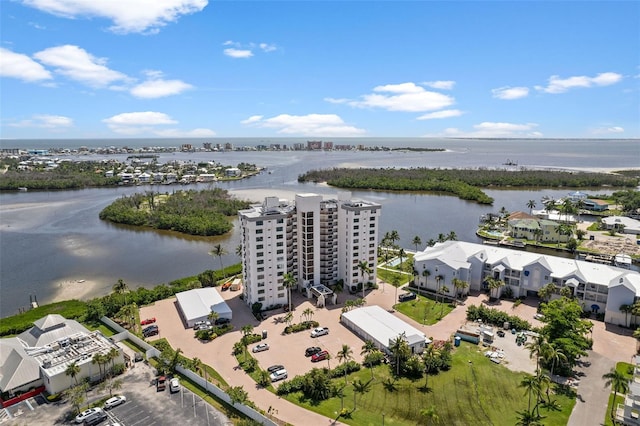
[[80, 289]]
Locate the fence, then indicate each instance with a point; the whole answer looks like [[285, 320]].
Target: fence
[[124, 334]]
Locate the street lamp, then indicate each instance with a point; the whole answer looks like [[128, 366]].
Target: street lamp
[[383, 419]]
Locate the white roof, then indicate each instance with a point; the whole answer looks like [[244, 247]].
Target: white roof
[[199, 302], [628, 222], [383, 326], [16, 367], [451, 252]]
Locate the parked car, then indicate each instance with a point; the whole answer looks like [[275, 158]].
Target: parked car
[[278, 375], [260, 347], [226, 285], [161, 383], [406, 296], [152, 330], [221, 321], [319, 331], [148, 321], [201, 325], [80, 418], [174, 385], [275, 368], [312, 351], [320, 356], [115, 401], [95, 418]]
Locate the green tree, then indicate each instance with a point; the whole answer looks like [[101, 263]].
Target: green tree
[[452, 236], [619, 383], [364, 268], [76, 396], [289, 282], [316, 384], [264, 379], [536, 348], [494, 287], [531, 204], [345, 355], [237, 395], [73, 369], [416, 242], [553, 356], [360, 387], [528, 418], [546, 291], [566, 330], [368, 348], [430, 360], [307, 314], [213, 316], [121, 288], [531, 386], [219, 251], [100, 360], [460, 287], [400, 350]]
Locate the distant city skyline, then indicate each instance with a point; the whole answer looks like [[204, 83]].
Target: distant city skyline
[[201, 69]]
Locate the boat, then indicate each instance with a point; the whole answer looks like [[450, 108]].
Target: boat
[[622, 260], [510, 163], [22, 188]]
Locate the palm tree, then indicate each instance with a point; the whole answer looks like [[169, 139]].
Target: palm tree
[[439, 279], [308, 314], [528, 418], [121, 288], [443, 290], [553, 355], [73, 369], [536, 348], [359, 387], [239, 250], [98, 359], [289, 281], [619, 382], [288, 318], [416, 242], [426, 274], [495, 284], [213, 316], [430, 414], [531, 204], [452, 236], [368, 348], [531, 385], [537, 233], [345, 355], [219, 251], [394, 236], [442, 238], [430, 360], [112, 355], [364, 269], [401, 254], [547, 291], [460, 286], [400, 349]]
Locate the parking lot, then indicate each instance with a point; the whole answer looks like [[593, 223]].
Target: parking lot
[[144, 406]]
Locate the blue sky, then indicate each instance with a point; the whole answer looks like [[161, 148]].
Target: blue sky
[[198, 68]]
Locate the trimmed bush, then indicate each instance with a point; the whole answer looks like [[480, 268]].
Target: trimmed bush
[[306, 325], [496, 317], [350, 366]]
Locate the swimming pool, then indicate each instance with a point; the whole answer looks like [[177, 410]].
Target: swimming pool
[[394, 262]]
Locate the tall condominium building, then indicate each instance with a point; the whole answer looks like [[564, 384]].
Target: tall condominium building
[[317, 241]]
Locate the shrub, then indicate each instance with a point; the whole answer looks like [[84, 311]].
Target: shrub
[[118, 369], [496, 317], [252, 338], [350, 366], [306, 325]]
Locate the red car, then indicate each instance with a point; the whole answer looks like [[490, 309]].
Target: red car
[[322, 355], [148, 321]]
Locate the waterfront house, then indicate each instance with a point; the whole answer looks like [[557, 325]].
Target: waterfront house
[[622, 224], [599, 288], [595, 205]]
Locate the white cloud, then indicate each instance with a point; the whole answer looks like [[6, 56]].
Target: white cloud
[[238, 53], [131, 16], [306, 125], [441, 84], [252, 119], [140, 118], [145, 122], [608, 130], [45, 121], [407, 97], [509, 93], [267, 47], [489, 129], [76, 64], [559, 85], [156, 87], [17, 65], [446, 113]]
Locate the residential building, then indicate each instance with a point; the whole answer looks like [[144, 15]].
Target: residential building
[[599, 288], [40, 356], [318, 241], [622, 224], [595, 205]]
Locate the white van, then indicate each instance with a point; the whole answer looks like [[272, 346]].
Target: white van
[[174, 385]]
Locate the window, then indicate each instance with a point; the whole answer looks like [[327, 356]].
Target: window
[[280, 295], [260, 262], [372, 225], [261, 276], [261, 269], [261, 284], [372, 238], [260, 254], [259, 223], [258, 231], [259, 239], [259, 246], [279, 251], [280, 220], [279, 229], [279, 244], [261, 299], [371, 232], [279, 236], [261, 291], [356, 220]]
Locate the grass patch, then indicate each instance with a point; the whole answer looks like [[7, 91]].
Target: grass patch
[[70, 309], [255, 372], [474, 391], [424, 310], [392, 277]]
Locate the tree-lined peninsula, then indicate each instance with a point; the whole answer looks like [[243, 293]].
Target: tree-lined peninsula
[[463, 183]]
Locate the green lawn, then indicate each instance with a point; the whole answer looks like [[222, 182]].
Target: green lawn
[[474, 392], [391, 276], [424, 310]]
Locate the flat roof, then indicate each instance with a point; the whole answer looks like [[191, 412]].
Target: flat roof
[[383, 326], [199, 302]]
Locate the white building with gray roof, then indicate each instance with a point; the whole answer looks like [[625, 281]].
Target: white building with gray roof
[[599, 288]]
